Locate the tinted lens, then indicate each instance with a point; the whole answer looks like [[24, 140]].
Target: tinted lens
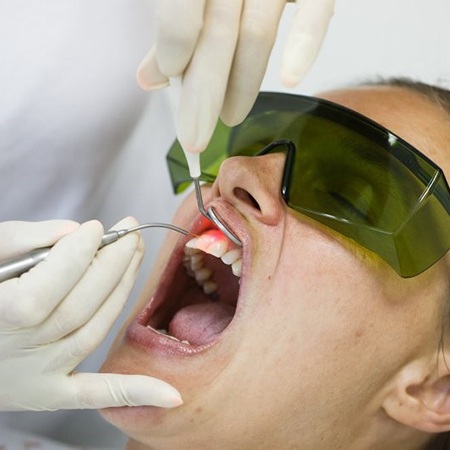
[[349, 174]]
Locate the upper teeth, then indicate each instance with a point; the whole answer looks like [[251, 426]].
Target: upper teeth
[[214, 243]]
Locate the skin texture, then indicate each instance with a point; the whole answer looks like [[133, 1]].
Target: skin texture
[[330, 348]]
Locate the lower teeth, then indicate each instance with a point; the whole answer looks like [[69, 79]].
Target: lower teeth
[[166, 333]]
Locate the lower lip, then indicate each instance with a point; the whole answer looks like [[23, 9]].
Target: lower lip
[[139, 334]]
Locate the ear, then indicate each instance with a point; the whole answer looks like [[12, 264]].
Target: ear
[[419, 396]]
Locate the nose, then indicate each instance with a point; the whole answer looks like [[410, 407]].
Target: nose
[[252, 185]]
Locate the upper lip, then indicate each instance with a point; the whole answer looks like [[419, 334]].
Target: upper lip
[[230, 218]]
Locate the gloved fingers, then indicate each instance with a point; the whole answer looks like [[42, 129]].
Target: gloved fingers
[[308, 30], [178, 28], [28, 300], [257, 34], [19, 237], [89, 391], [108, 281], [206, 78], [78, 345], [148, 74], [102, 390], [48, 392], [81, 343]]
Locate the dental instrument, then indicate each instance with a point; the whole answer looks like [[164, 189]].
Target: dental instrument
[[16, 266], [212, 215], [193, 161]]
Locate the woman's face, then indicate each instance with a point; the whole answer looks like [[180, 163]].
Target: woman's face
[[300, 347]]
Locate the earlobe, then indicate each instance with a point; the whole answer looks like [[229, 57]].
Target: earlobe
[[420, 397]]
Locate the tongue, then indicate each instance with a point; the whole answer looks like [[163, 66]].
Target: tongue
[[200, 324]]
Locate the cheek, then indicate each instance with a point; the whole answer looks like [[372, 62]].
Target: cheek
[[322, 308], [335, 319]]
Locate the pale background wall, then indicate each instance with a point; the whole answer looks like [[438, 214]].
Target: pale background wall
[[366, 38], [369, 37]]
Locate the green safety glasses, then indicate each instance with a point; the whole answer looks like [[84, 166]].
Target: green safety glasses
[[343, 170]]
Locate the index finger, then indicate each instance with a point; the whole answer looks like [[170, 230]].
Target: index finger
[[18, 237], [179, 24], [204, 84], [29, 299]]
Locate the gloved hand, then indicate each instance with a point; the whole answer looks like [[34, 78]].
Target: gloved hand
[[222, 48], [55, 315]]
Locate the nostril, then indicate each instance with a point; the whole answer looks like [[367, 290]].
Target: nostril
[[243, 195]]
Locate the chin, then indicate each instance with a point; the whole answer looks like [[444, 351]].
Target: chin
[[188, 327]]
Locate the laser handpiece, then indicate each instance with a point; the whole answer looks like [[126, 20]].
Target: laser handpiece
[[193, 162], [16, 266]]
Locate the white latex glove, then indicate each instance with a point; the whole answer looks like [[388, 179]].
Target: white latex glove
[[221, 49], [55, 315]]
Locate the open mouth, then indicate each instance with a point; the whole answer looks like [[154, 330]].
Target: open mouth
[[197, 296]]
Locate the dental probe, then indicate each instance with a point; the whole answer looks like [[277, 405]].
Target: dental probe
[[21, 264], [212, 215], [193, 161]]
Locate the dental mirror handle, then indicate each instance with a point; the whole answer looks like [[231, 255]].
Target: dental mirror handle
[[17, 266]]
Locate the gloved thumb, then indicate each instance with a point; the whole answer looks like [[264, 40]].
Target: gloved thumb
[[105, 390], [19, 237]]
